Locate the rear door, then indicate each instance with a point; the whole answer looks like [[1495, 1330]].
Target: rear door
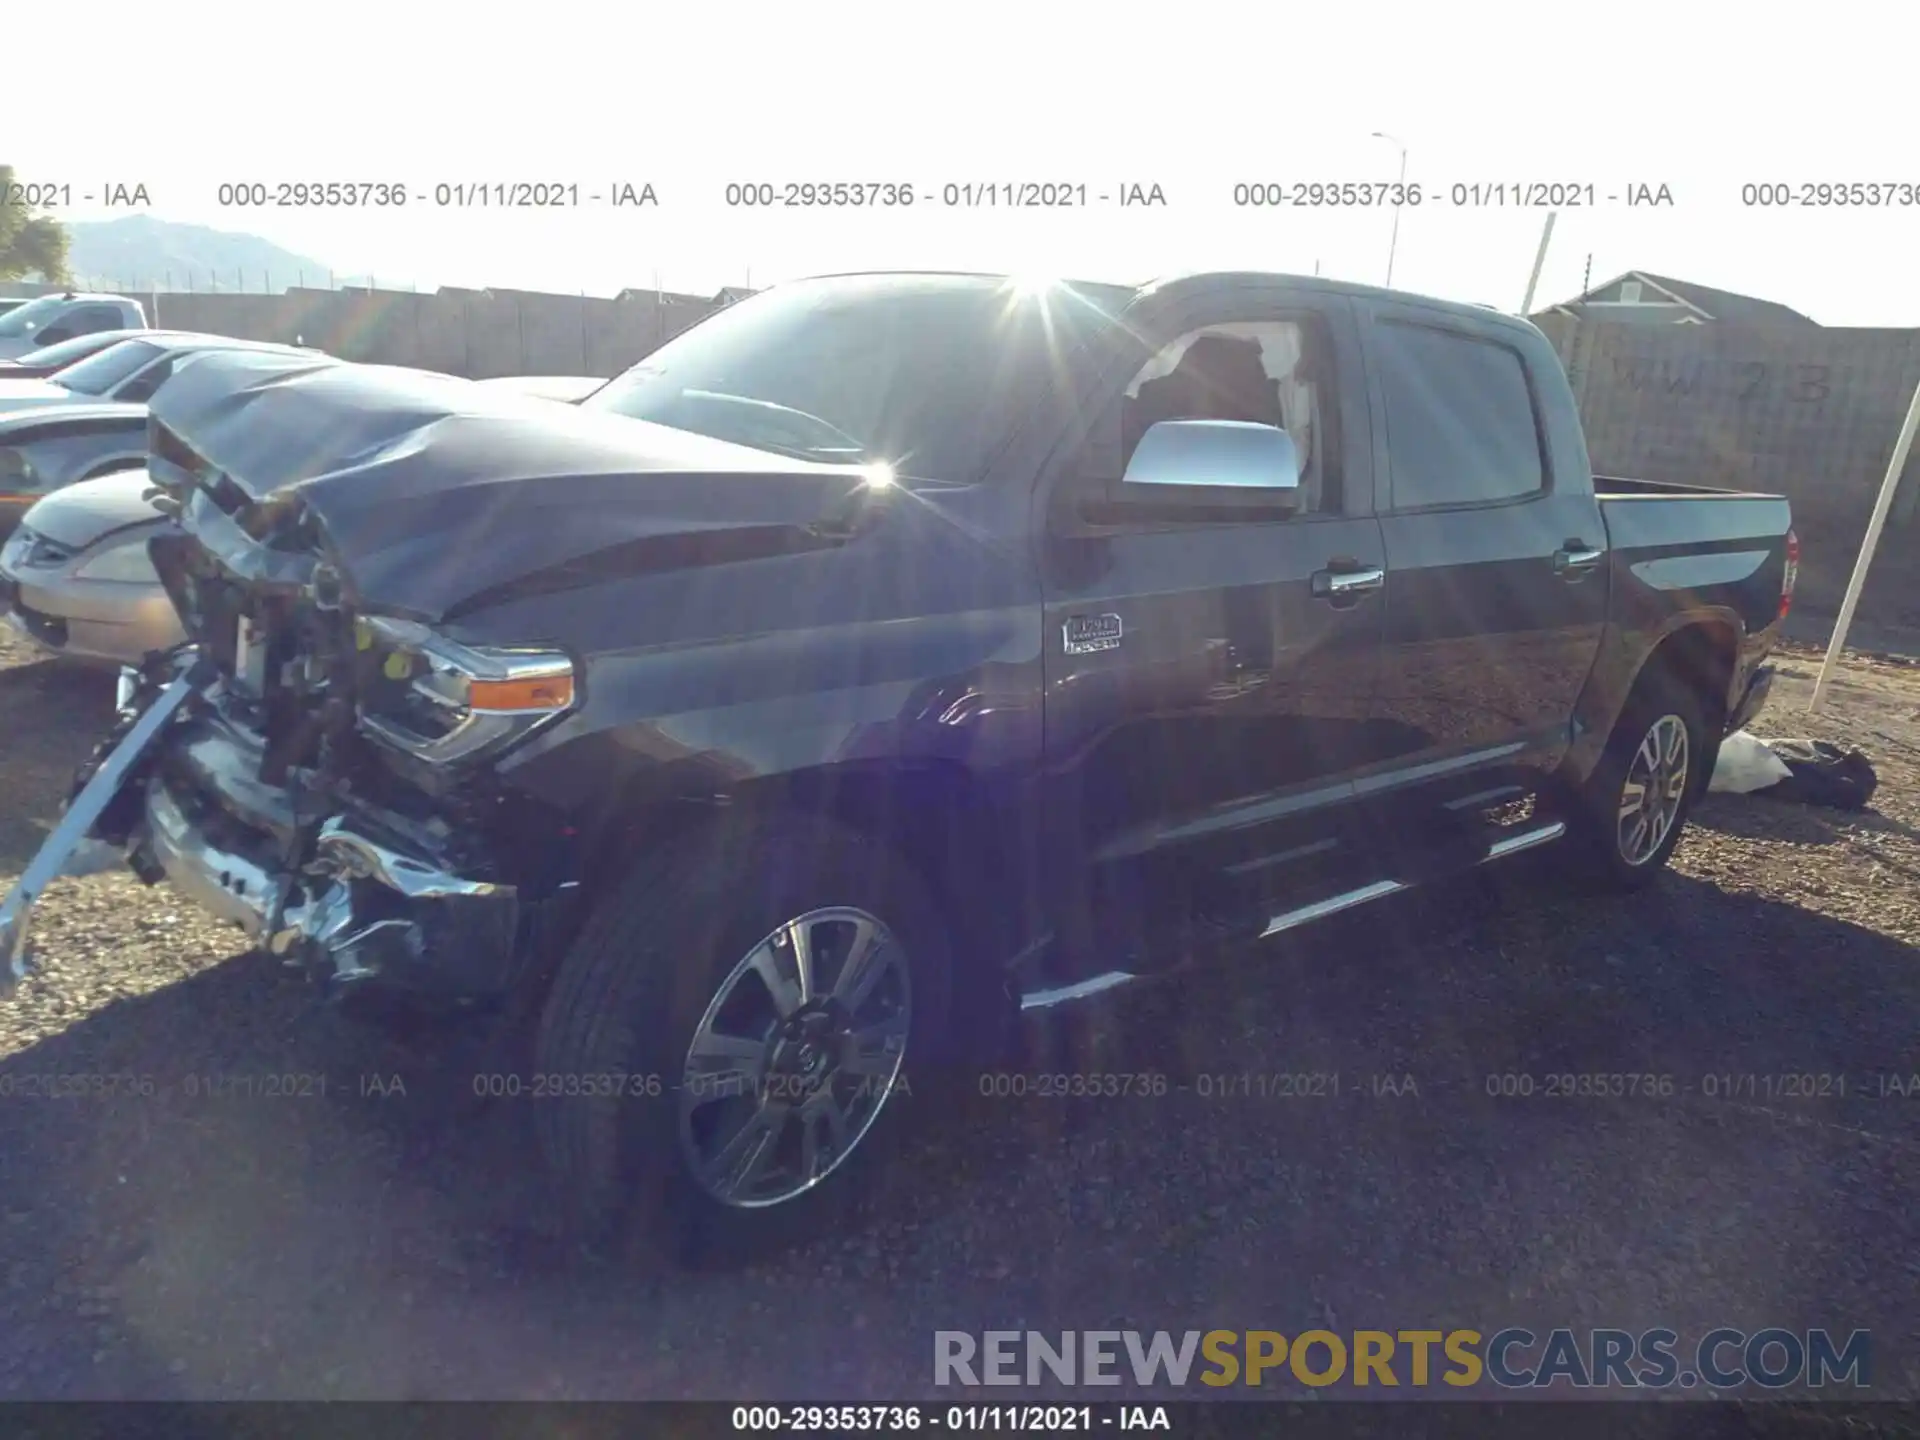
[[1498, 585], [1207, 680]]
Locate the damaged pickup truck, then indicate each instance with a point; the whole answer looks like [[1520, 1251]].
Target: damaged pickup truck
[[885, 655]]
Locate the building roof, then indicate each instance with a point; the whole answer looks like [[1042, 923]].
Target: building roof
[[1707, 302], [1727, 305], [664, 297]]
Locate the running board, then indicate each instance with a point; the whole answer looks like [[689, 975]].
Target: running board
[[1041, 999], [1288, 919], [1526, 840], [1380, 889]]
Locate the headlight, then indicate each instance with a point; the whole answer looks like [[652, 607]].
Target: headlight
[[438, 700], [128, 564]]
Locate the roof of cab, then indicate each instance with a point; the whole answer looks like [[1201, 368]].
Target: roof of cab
[[1121, 292]]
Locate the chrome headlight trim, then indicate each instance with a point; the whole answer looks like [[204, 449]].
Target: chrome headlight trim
[[452, 668]]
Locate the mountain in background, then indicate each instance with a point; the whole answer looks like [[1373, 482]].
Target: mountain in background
[[142, 253]]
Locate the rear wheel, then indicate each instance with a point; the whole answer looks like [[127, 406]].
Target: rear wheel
[[726, 1045], [1627, 820]]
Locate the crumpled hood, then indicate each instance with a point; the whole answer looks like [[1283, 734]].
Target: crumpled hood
[[77, 516], [434, 493]]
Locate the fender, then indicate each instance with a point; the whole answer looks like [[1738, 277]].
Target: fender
[[1625, 653]]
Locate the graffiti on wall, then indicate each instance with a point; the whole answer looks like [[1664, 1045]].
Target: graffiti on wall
[[1756, 381]]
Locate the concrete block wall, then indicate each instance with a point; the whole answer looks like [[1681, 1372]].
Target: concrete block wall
[[1811, 414], [474, 333], [467, 333]]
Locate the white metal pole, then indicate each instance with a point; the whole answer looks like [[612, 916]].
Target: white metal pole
[[1901, 449], [1393, 244], [1539, 259]]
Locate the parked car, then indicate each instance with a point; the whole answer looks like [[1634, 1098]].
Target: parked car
[[11, 302], [128, 372], [76, 579], [888, 652], [41, 451], [51, 359], [49, 319], [568, 389]]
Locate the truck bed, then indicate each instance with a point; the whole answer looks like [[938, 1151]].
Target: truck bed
[[1619, 487], [1657, 517]]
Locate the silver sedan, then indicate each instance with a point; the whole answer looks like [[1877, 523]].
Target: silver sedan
[[75, 578], [129, 372], [41, 451]]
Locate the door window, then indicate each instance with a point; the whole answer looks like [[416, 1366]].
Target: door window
[[140, 389], [92, 320], [1461, 428], [19, 476], [1267, 372]]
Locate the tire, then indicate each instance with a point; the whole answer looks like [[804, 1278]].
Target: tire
[[685, 944], [1608, 849]]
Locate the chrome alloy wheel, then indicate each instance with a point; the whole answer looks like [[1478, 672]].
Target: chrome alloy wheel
[[1655, 787], [795, 1057]]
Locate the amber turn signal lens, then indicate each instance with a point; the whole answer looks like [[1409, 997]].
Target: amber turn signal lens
[[541, 692]]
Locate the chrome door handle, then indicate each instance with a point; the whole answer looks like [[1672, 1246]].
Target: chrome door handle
[[1335, 584], [1573, 559]]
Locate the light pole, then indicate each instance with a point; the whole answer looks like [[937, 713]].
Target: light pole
[[1400, 195]]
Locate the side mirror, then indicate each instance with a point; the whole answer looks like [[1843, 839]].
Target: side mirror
[[1215, 454]]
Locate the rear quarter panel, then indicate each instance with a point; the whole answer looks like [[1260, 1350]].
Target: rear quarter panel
[[1680, 560]]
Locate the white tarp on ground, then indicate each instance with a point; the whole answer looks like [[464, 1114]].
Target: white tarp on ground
[[1746, 765]]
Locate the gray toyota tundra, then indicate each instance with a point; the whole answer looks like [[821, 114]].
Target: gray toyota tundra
[[884, 655]]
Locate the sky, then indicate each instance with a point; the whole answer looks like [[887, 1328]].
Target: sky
[[1194, 98]]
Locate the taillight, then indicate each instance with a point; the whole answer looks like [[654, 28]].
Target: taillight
[[1790, 574]]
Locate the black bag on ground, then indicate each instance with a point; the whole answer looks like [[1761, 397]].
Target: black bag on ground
[[1836, 776]]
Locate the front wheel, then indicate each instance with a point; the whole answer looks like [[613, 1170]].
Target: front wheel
[[740, 1023], [1627, 820]]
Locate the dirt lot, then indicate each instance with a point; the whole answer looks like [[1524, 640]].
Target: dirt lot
[[357, 1244]]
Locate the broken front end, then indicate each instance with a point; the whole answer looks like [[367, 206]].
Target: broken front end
[[320, 775]]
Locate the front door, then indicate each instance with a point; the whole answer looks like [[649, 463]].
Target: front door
[[1208, 679]]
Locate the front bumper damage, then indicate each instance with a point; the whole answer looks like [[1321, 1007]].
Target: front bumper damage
[[343, 896], [83, 812]]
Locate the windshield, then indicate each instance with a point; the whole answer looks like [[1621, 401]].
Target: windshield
[[100, 373], [30, 316], [52, 357], [921, 373]]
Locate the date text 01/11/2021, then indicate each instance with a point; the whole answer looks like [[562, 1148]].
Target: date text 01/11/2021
[[59, 194], [1477, 195], [443, 194], [952, 195], [1718, 1085], [958, 1419]]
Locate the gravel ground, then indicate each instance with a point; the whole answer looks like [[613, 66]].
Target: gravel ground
[[356, 1244]]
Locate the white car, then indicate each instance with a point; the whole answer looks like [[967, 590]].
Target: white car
[[127, 373], [52, 318]]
